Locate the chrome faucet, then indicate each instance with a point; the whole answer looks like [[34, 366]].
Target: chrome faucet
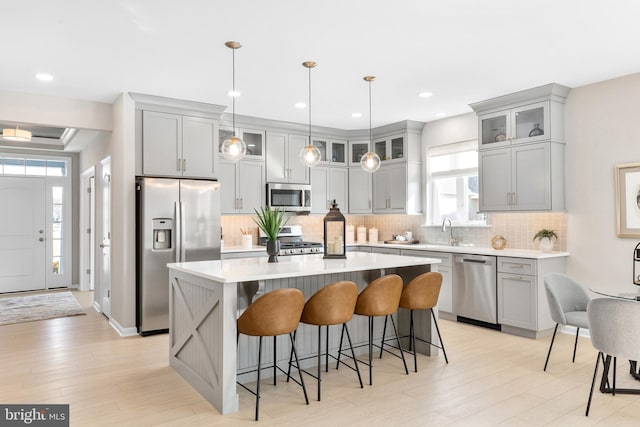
[[452, 241]]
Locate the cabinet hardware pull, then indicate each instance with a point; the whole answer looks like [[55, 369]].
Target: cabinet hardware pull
[[509, 199], [184, 165], [179, 164], [513, 199], [241, 203]]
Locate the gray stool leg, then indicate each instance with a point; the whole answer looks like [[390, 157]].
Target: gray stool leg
[[575, 346]]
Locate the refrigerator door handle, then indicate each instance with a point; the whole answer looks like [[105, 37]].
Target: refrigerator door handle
[[178, 225], [183, 252]]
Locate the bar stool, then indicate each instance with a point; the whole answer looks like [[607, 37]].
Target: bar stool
[[421, 293], [331, 305], [380, 298], [274, 313]]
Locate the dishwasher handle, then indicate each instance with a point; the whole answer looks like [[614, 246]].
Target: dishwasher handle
[[477, 261]]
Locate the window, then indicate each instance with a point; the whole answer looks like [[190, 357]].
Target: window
[[452, 184], [19, 165]]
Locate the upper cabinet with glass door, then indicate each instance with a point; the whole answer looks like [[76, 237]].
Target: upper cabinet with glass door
[[390, 148], [528, 116], [333, 152], [253, 138]]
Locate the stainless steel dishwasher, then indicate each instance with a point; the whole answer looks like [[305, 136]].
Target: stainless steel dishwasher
[[474, 288]]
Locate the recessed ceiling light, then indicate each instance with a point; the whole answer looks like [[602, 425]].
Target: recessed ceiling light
[[44, 77], [356, 115], [300, 105], [441, 114], [233, 93], [425, 94]]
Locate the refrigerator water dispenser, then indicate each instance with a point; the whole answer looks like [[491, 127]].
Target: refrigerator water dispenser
[[162, 233]]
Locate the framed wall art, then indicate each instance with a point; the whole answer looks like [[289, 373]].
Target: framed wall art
[[628, 200]]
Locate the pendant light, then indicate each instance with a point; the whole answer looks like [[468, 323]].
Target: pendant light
[[370, 161], [234, 148], [16, 134], [310, 154]]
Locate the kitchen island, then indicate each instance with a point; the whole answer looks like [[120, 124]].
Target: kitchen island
[[206, 298]]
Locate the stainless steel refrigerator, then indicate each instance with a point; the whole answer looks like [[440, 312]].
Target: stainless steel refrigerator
[[177, 220]]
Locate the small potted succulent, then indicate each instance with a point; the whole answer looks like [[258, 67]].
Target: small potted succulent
[[270, 222], [544, 237]]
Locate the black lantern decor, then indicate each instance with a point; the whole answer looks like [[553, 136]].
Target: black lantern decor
[[334, 234], [636, 261]]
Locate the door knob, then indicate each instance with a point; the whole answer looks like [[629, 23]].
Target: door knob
[[41, 239]]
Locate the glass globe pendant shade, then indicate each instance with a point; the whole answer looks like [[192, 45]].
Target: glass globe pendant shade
[[234, 148], [370, 162], [310, 155]]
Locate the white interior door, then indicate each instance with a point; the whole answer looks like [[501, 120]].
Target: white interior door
[[105, 276], [87, 230], [22, 234]]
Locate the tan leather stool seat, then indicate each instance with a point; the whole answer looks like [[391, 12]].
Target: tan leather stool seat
[[331, 305], [421, 293], [274, 313], [381, 298]]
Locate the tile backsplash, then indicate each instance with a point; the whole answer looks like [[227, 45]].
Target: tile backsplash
[[517, 228]]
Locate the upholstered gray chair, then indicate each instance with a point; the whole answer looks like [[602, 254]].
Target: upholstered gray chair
[[568, 305], [613, 326]]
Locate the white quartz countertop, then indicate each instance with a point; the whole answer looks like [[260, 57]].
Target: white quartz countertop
[[475, 250], [250, 269]]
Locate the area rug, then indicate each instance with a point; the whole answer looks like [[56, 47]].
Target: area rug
[[38, 307]]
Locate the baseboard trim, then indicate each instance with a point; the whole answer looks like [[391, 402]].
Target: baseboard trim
[[122, 331]]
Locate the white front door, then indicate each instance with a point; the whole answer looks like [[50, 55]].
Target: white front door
[[105, 277], [22, 234], [87, 230]]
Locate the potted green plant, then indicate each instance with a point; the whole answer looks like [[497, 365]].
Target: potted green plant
[[270, 222], [544, 237]]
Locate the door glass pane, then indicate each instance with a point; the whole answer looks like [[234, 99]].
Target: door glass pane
[[254, 143], [13, 166], [380, 148], [358, 150], [494, 129], [397, 148], [530, 123], [338, 152], [56, 227], [322, 146], [36, 167]]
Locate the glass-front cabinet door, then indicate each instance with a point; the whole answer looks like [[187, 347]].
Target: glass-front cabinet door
[[529, 123], [380, 148], [332, 151], [391, 148], [357, 149], [253, 138]]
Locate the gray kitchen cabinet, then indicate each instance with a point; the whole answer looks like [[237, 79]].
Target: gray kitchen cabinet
[[357, 149], [522, 302], [360, 191], [178, 145], [242, 186], [390, 148], [283, 163], [527, 177], [445, 299], [521, 150], [382, 250], [396, 188], [327, 184]]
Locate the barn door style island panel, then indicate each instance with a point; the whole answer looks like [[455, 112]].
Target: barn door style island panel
[[206, 298]]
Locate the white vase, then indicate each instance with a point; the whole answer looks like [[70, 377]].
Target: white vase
[[546, 244]]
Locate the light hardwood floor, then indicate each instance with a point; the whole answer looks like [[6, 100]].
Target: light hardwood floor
[[492, 379]]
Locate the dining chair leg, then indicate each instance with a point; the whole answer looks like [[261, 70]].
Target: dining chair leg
[[412, 341], [295, 355], [404, 362], [593, 383], [291, 357], [258, 384], [384, 334], [326, 353], [274, 361], [370, 350], [435, 322], [575, 345], [551, 346], [353, 353], [615, 362], [340, 348], [319, 359]]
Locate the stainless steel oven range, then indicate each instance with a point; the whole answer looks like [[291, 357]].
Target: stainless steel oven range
[[292, 243]]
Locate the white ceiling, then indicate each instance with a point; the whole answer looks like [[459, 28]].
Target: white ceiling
[[461, 50]]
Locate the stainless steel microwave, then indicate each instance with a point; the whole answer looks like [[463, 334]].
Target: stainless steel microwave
[[289, 197]]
